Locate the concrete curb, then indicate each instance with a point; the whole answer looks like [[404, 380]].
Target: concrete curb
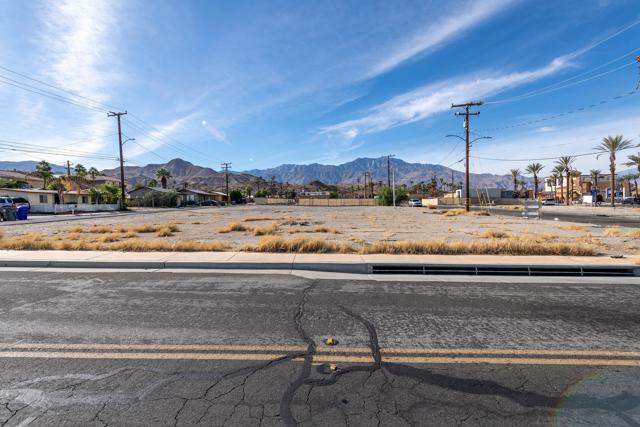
[[341, 267]]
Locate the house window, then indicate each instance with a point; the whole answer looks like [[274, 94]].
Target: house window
[[84, 199], [44, 198]]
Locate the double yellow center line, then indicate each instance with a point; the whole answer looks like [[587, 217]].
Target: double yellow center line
[[323, 354]]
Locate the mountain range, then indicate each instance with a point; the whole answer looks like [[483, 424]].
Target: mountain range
[[353, 172], [182, 172], [28, 166]]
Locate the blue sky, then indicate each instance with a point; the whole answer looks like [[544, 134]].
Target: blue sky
[[264, 83]]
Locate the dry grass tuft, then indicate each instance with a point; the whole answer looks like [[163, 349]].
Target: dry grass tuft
[[76, 229], [573, 227], [257, 218], [110, 237], [613, 232], [165, 232], [490, 247], [102, 229], [493, 234], [481, 213], [267, 230], [234, 226], [29, 241], [454, 212], [299, 245], [634, 234]]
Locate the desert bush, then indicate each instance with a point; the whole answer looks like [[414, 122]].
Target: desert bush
[[267, 230], [234, 226], [613, 232], [493, 234], [299, 245]]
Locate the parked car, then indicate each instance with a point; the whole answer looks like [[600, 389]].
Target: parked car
[[415, 203], [21, 201], [631, 201], [7, 209], [549, 202], [208, 203]]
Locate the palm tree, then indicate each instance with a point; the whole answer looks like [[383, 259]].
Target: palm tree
[[79, 175], [534, 169], [163, 174], [626, 179], [565, 163], [44, 172], [634, 160], [514, 174], [152, 183], [611, 145], [557, 175], [635, 182], [93, 172]]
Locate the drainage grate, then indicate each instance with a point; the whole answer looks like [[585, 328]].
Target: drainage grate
[[507, 270]]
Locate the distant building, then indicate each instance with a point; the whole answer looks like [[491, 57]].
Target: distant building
[[34, 182], [199, 196]]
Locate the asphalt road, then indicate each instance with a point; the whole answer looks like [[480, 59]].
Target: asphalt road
[[165, 349], [602, 220]]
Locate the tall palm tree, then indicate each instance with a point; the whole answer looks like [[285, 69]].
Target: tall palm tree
[[514, 174], [93, 172], [44, 172], [565, 163], [611, 145], [557, 175], [534, 169], [634, 160], [79, 175], [163, 175], [626, 179]]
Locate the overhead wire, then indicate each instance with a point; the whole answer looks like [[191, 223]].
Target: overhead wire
[[566, 113]]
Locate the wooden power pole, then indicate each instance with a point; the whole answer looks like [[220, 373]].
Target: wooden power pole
[[466, 114], [122, 193], [225, 168]]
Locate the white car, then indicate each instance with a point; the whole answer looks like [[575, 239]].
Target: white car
[[549, 202], [415, 203]]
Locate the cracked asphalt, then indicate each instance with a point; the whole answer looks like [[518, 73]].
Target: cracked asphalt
[[182, 349]]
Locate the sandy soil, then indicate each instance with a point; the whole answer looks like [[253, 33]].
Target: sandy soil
[[357, 226]]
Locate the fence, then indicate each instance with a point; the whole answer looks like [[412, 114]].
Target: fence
[[337, 202], [66, 208], [449, 201]]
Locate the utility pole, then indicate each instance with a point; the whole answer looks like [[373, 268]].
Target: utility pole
[[68, 169], [389, 156], [466, 114], [393, 189], [365, 185], [225, 167], [122, 194]]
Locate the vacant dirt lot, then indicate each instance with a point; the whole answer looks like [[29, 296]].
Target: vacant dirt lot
[[323, 229]]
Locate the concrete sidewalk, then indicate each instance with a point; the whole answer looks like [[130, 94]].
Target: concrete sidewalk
[[346, 263]]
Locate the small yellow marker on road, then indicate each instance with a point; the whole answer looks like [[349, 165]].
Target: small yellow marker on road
[[330, 341]]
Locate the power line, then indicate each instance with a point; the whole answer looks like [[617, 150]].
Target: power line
[[36, 90], [19, 146], [535, 92], [566, 113], [467, 114], [544, 158], [542, 92], [59, 88]]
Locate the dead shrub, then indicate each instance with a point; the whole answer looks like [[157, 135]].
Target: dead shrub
[[102, 229], [493, 234], [299, 245], [489, 247], [267, 230], [454, 212], [29, 241], [613, 232], [572, 227], [164, 232], [635, 234], [234, 226]]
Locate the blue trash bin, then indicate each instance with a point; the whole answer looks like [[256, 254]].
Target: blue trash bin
[[22, 213]]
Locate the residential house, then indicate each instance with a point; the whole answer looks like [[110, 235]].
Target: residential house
[[32, 181], [192, 195], [49, 201]]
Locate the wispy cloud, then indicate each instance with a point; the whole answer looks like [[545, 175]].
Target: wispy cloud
[[429, 100], [158, 137], [462, 17], [78, 38]]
